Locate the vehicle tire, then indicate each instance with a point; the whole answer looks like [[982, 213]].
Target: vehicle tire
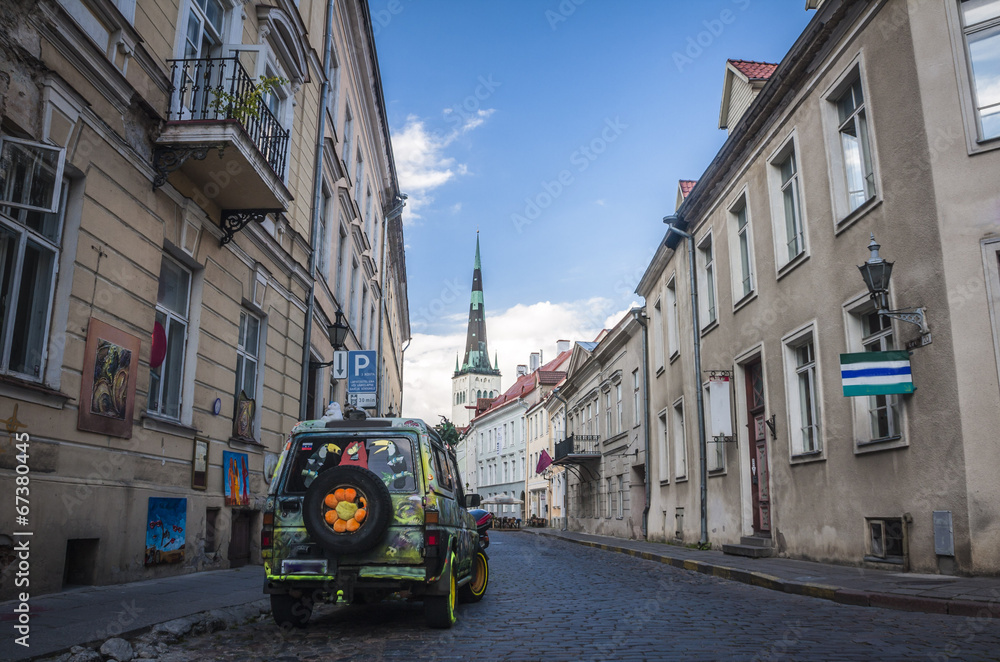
[[476, 588], [290, 612], [439, 610], [371, 502]]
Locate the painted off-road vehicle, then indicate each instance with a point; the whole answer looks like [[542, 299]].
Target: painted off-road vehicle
[[360, 509]]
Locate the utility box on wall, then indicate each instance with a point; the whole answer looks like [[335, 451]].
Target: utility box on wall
[[944, 535]]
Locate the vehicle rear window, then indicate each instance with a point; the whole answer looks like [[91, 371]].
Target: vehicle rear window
[[389, 458]]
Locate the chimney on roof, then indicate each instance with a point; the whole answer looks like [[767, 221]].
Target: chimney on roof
[[522, 370], [562, 346], [534, 361]]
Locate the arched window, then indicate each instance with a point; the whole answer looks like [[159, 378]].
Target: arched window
[[479, 394]]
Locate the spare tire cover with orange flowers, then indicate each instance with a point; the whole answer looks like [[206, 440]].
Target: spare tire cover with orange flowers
[[347, 509]]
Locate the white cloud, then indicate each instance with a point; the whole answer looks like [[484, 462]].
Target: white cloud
[[421, 161], [455, 208], [513, 335], [613, 319]]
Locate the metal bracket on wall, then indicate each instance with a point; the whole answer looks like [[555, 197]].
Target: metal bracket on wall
[[769, 422], [167, 158], [719, 438], [234, 220], [712, 374]]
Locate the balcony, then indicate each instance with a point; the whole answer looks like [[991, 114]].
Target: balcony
[[221, 143], [577, 448]]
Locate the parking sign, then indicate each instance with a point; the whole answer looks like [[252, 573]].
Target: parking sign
[[362, 371]]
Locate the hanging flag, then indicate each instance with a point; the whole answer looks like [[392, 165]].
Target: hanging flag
[[543, 462], [876, 373]]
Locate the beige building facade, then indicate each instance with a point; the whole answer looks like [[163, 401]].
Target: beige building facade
[[874, 122], [603, 453], [161, 204]]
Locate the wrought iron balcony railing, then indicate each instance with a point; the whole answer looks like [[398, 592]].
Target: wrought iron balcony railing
[[219, 89], [578, 444]]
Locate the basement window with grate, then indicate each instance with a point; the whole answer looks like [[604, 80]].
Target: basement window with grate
[[885, 539]]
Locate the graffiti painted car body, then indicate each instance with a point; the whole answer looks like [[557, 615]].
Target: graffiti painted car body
[[359, 509]]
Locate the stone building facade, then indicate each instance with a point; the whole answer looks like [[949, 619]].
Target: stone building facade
[[881, 118], [178, 234]]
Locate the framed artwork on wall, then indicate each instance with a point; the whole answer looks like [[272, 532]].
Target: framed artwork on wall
[[107, 389]]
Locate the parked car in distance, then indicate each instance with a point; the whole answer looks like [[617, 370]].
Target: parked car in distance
[[360, 509]]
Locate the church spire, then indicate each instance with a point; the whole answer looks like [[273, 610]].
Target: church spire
[[477, 355]]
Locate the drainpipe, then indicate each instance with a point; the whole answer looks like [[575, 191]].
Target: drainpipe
[[671, 222], [555, 394], [317, 206], [391, 214], [639, 314]]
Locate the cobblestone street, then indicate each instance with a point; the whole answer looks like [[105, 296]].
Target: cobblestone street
[[554, 600]]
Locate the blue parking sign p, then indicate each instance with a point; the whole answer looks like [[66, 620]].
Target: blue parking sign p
[[362, 371]]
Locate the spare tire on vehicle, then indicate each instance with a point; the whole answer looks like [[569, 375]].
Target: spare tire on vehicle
[[347, 509]]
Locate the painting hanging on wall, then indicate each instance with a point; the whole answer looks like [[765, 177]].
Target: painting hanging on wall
[[236, 478], [165, 523], [107, 390], [243, 417], [199, 464]]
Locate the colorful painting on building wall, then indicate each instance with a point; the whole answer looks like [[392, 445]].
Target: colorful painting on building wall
[[165, 522], [107, 390], [236, 477]]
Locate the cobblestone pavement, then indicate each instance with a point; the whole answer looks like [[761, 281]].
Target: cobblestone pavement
[[553, 600]]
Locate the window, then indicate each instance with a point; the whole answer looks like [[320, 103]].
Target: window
[[981, 29], [359, 174], [885, 538], [637, 409], [680, 442], [657, 335], [803, 395], [323, 236], [706, 280], [29, 253], [618, 406], [789, 234], [741, 258], [855, 144], [341, 253], [352, 302], [204, 29], [663, 447], [673, 320], [621, 498], [368, 217], [607, 412], [610, 502], [247, 347], [360, 330], [173, 296], [348, 135], [877, 417], [590, 419]]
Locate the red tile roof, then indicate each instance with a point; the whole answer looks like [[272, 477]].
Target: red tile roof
[[754, 70], [525, 384], [687, 185], [549, 377]]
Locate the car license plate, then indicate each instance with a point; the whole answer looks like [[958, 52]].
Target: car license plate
[[304, 567]]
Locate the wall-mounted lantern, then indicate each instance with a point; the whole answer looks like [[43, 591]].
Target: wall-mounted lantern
[[876, 273]]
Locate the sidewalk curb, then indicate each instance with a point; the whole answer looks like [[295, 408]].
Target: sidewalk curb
[[897, 601]]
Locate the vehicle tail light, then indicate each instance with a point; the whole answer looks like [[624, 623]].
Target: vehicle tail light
[[266, 530], [432, 540]]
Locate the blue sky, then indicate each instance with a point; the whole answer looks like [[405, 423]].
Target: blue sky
[[559, 130]]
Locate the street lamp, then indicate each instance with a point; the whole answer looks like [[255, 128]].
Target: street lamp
[[337, 333], [876, 273]]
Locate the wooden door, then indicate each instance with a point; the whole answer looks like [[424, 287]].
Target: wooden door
[[239, 539], [760, 492]]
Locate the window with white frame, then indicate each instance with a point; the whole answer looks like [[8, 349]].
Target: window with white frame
[[663, 447], [855, 144], [741, 255], [618, 405], [172, 304], [359, 174], [706, 281], [368, 218], [802, 384], [636, 407], [877, 417], [348, 135], [204, 29], [621, 498], [673, 319], [590, 419], [352, 302], [32, 211], [247, 355], [787, 215], [607, 412], [610, 501], [679, 439], [657, 335], [981, 31]]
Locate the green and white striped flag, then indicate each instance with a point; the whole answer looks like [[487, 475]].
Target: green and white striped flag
[[876, 373]]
